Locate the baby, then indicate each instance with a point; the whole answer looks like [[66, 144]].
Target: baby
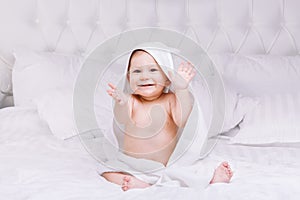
[[153, 116]]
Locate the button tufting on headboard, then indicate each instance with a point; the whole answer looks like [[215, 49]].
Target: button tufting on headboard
[[219, 26], [213, 22]]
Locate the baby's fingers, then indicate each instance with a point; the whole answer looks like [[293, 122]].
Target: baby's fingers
[[113, 91], [109, 92], [192, 73], [189, 68], [181, 67], [185, 68], [112, 86]]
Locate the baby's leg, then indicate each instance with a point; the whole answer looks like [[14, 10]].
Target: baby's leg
[[222, 174], [125, 180]]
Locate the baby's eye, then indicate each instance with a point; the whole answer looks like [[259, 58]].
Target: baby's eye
[[153, 70], [136, 71]]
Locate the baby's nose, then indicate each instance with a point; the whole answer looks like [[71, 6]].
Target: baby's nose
[[144, 75]]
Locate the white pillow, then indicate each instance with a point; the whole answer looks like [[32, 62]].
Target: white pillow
[[35, 73], [56, 108], [5, 86], [236, 106], [258, 75], [38, 79], [274, 120]]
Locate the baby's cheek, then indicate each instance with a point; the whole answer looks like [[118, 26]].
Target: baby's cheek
[[133, 87], [162, 81]]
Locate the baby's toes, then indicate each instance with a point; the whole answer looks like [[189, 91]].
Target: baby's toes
[[125, 188], [126, 179], [229, 174], [225, 164], [125, 184]]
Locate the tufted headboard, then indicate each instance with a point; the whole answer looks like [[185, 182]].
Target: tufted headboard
[[77, 26]]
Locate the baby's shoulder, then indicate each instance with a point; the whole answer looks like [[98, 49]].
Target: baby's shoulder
[[169, 96]]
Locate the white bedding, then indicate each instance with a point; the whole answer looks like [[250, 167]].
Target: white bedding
[[36, 165], [261, 172]]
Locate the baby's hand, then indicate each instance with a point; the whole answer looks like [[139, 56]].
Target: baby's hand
[[119, 96], [183, 77]]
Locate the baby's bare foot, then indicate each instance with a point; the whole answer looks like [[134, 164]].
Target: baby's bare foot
[[222, 174], [130, 182]]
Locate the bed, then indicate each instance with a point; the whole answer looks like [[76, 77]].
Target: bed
[[252, 45]]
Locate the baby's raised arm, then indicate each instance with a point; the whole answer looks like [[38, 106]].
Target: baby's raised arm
[[184, 100], [121, 108]]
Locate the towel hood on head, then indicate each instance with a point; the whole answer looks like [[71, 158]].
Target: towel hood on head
[[161, 54]]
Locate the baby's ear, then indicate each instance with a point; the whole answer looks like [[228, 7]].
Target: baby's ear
[[167, 83], [127, 76], [167, 86]]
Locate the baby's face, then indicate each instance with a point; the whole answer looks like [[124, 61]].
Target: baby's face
[[146, 77]]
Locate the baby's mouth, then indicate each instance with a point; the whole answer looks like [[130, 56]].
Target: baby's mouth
[[146, 85]]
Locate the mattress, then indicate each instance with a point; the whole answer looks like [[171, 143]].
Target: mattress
[[36, 165], [261, 171]]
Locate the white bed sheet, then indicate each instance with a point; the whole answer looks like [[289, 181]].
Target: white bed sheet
[[261, 172], [36, 165]]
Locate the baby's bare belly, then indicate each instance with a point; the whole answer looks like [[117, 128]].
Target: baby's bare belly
[[159, 147]]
